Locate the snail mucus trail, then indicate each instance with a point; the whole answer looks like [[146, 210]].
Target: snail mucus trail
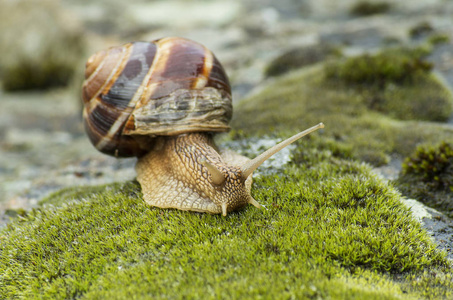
[[162, 101]]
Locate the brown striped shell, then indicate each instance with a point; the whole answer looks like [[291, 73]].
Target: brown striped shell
[[145, 89]]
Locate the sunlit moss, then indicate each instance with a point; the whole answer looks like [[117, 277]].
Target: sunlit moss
[[330, 229]]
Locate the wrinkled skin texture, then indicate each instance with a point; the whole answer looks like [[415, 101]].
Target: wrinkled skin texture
[[172, 175]]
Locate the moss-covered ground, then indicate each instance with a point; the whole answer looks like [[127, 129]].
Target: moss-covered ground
[[330, 229]]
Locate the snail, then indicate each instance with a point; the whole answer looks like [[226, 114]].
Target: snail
[[162, 101]]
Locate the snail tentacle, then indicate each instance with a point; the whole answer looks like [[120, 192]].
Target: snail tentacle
[[252, 165], [217, 176]]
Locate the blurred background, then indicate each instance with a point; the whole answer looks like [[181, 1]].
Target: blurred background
[[44, 45]]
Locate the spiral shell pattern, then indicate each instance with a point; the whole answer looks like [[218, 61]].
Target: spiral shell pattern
[[140, 90]]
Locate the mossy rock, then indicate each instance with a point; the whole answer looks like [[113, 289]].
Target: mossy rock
[[427, 99], [41, 45], [368, 8], [424, 30], [372, 123], [28, 74], [421, 29], [297, 58], [397, 66], [330, 229], [439, 38], [427, 175], [397, 82]]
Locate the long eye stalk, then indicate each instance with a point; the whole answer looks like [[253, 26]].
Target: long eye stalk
[[252, 165]]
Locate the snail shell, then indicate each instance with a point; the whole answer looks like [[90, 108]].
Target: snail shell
[[139, 90]]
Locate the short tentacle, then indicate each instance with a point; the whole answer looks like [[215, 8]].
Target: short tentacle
[[217, 177], [254, 202], [224, 209]]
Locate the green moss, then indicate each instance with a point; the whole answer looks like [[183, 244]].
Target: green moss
[[393, 66], [44, 56], [307, 97], [428, 175], [424, 30], [421, 29], [440, 38], [74, 193], [31, 74], [426, 99], [396, 82], [367, 8], [15, 213], [432, 165], [23, 77], [330, 229], [297, 58]]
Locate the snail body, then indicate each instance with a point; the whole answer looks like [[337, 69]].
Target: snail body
[[181, 177], [162, 101]]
